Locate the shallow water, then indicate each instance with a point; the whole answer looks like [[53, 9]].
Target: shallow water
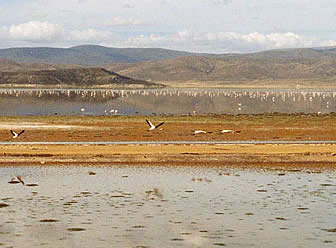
[[164, 101], [132, 206]]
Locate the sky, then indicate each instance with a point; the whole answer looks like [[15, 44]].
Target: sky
[[212, 26]]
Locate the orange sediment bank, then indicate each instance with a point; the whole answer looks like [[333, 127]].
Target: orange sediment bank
[[276, 127], [208, 155]]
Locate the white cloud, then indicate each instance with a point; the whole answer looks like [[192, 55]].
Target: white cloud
[[36, 31], [91, 35], [3, 31], [145, 41], [164, 2], [272, 40], [185, 35], [118, 21], [128, 5], [221, 1], [221, 42], [329, 43]]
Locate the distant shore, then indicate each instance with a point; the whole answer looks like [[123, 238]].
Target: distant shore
[[253, 84], [194, 84]]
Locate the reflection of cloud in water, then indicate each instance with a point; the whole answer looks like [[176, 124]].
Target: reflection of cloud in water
[[164, 101], [245, 208]]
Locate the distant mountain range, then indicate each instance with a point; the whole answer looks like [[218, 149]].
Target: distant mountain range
[[88, 55], [162, 65]]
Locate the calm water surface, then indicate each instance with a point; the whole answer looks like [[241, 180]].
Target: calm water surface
[[132, 206], [164, 101]]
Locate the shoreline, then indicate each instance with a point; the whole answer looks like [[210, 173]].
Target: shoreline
[[297, 85], [265, 156]]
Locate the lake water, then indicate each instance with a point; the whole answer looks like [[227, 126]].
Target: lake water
[[164, 101], [162, 206]]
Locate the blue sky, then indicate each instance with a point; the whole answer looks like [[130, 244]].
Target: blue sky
[[217, 26]]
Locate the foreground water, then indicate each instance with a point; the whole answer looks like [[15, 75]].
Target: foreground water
[[164, 101], [132, 206]]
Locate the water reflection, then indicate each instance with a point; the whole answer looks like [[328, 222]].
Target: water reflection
[[163, 101], [167, 207]]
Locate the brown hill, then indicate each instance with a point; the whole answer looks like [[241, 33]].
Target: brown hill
[[309, 66], [88, 55], [83, 77], [7, 65], [235, 68]]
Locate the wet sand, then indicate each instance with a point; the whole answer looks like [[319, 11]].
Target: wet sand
[[207, 155], [119, 128]]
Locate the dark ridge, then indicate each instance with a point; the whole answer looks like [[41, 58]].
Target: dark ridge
[[83, 77]]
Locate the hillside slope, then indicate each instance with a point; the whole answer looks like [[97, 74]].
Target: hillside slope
[[88, 55], [261, 66], [84, 77], [7, 65]]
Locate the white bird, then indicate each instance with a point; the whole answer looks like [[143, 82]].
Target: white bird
[[199, 131], [152, 127], [229, 131], [15, 135]]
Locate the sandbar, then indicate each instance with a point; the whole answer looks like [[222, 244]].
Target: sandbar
[[176, 128]]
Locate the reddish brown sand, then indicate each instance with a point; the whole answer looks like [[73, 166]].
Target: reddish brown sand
[[260, 127]]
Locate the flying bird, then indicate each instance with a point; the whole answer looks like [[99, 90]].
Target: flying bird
[[229, 131], [199, 131], [20, 180], [152, 127], [15, 135]]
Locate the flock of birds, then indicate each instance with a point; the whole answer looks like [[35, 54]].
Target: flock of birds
[[151, 127], [15, 135], [222, 131]]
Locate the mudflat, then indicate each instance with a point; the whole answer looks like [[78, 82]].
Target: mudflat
[[275, 127]]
